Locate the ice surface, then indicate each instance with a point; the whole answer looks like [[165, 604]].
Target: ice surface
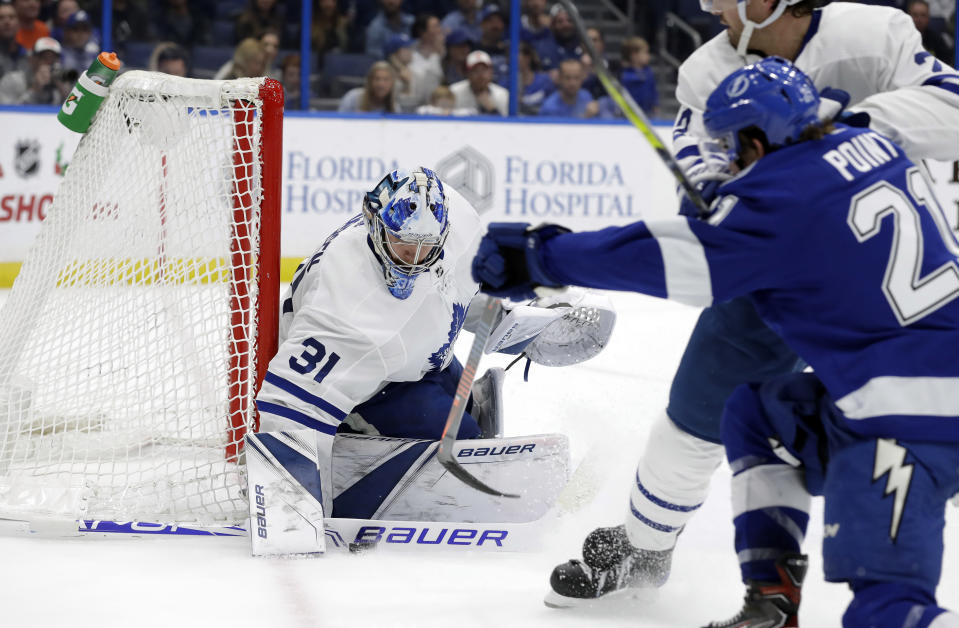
[[605, 407]]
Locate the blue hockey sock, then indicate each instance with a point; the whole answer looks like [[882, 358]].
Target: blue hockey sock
[[890, 605], [764, 535]]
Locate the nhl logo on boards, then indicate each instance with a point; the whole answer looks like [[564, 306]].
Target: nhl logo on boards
[[26, 162]]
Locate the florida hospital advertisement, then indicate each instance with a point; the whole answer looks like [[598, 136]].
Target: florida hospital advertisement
[[581, 175]]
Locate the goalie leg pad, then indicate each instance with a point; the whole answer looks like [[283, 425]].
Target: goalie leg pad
[[400, 479], [285, 493]]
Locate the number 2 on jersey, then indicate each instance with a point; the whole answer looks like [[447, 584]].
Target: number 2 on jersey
[[313, 354], [910, 296]]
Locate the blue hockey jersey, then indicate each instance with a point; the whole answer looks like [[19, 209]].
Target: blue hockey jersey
[[846, 254]]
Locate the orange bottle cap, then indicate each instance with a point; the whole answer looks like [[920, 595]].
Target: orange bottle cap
[[110, 60]]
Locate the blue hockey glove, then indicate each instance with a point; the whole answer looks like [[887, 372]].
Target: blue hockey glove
[[508, 262], [708, 189]]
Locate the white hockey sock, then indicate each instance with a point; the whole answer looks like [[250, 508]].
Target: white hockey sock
[[671, 482]]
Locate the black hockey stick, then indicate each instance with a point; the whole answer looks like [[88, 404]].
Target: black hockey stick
[[633, 112], [445, 450]]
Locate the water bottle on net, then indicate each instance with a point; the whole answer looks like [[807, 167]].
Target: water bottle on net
[[89, 92]]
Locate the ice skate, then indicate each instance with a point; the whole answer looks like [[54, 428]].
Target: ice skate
[[772, 604], [610, 565]]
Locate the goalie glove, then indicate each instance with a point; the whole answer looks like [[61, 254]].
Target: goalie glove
[[565, 328]]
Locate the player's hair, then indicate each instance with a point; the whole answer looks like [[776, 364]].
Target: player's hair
[[815, 131], [805, 7]]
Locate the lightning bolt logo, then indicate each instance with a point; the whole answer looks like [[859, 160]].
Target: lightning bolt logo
[[890, 458]]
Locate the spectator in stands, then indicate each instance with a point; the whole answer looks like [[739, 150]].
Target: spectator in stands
[[13, 56], [408, 90], [570, 100], [637, 76], [64, 80], [259, 17], [493, 42], [131, 21], [330, 29], [458, 45], [180, 23], [465, 17], [391, 20], [31, 28], [290, 78], [169, 58], [271, 47], [428, 51], [535, 84], [478, 91], [535, 21], [63, 10], [34, 85], [592, 84], [80, 47], [932, 40], [376, 95], [443, 103], [562, 44], [249, 59]]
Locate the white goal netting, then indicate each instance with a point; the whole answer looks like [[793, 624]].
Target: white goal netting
[[126, 345]]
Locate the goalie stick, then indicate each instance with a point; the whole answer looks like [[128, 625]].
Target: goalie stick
[[445, 452], [633, 112]]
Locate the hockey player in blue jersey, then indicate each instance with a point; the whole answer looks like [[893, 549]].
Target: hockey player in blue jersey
[[871, 55], [836, 239]]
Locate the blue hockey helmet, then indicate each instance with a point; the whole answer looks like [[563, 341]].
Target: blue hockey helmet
[[407, 215], [772, 95]]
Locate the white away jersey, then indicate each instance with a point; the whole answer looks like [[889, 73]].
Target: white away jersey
[[873, 53], [343, 336]]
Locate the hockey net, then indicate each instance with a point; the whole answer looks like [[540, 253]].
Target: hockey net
[[131, 341]]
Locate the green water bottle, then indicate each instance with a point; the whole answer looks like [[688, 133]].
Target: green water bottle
[[92, 87]]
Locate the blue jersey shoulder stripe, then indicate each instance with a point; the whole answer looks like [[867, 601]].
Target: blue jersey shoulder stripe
[[303, 395], [295, 415]]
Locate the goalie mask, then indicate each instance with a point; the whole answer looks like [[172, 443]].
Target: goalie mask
[[407, 216]]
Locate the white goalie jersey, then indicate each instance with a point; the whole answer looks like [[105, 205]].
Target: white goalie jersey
[[343, 336], [873, 53]]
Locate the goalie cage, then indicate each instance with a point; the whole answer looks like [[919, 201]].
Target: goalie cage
[[143, 320]]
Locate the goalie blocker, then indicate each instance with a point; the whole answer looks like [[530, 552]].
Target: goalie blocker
[[392, 491]]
